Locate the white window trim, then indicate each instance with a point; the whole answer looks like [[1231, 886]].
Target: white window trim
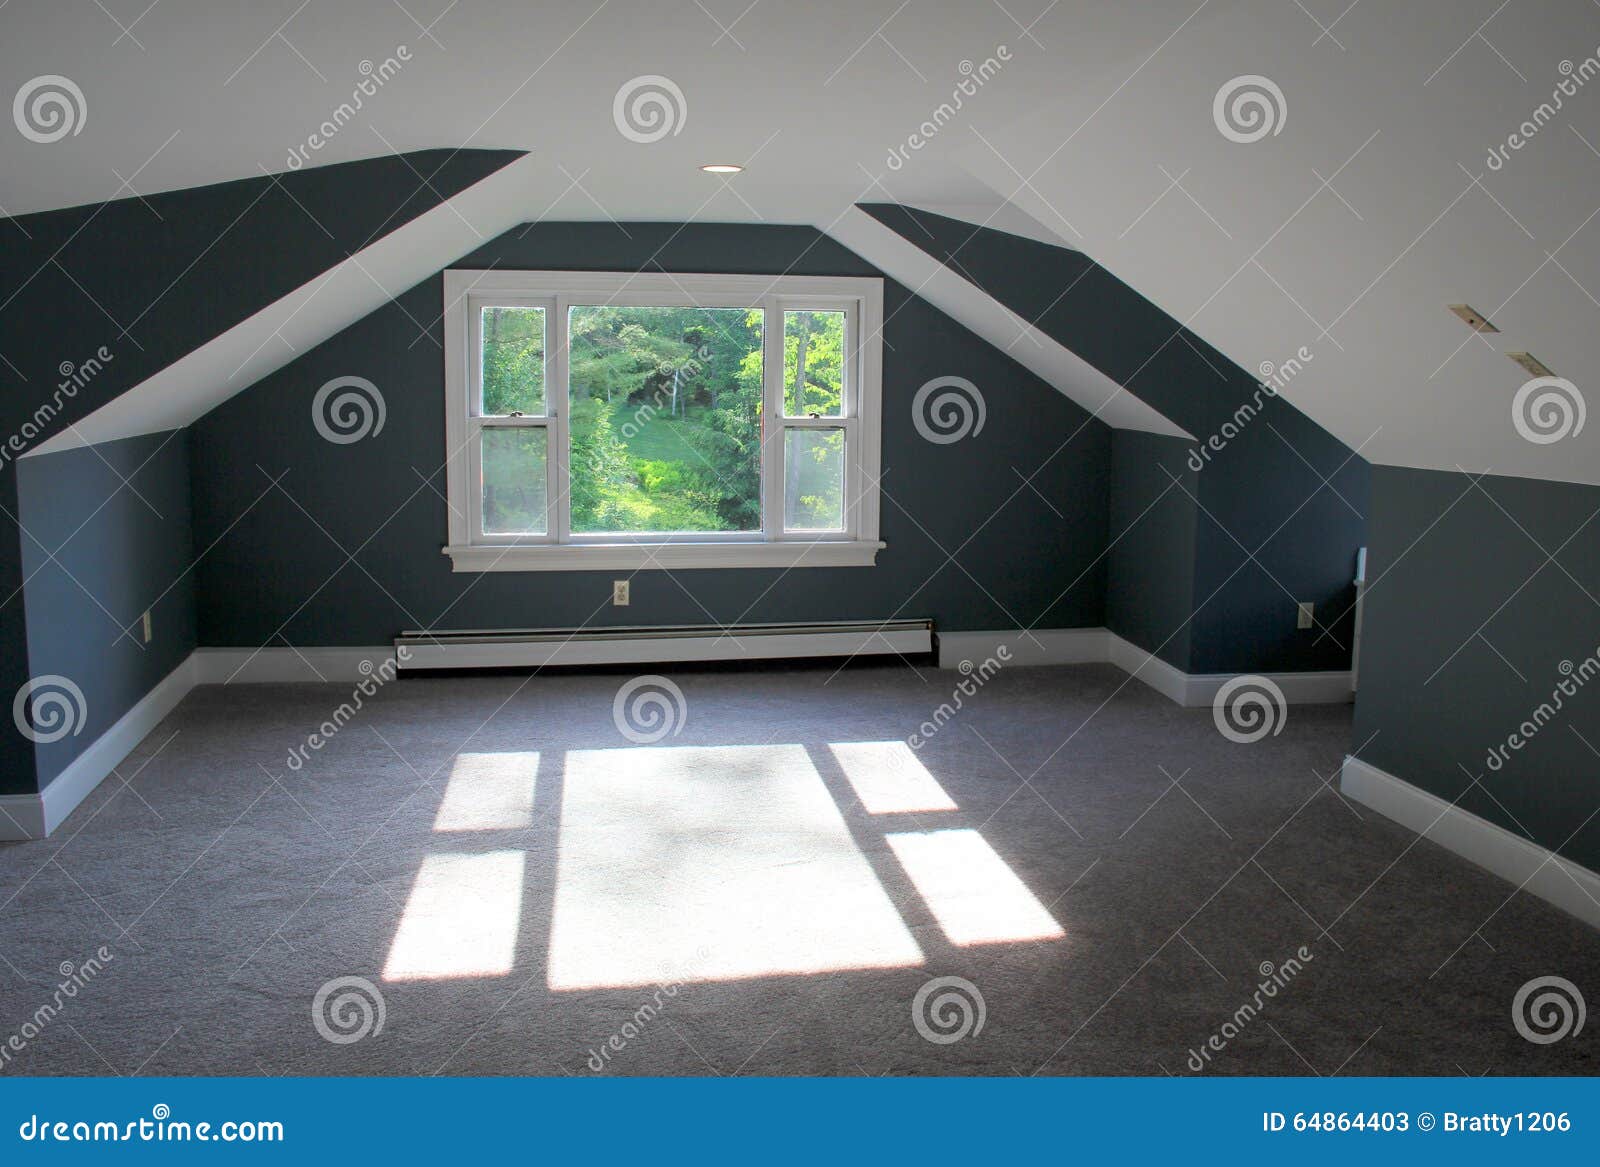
[[856, 546]]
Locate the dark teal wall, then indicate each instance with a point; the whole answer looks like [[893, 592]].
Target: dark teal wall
[[281, 574], [1482, 598], [1279, 507], [145, 281], [107, 537], [1281, 517], [1150, 590], [148, 280]]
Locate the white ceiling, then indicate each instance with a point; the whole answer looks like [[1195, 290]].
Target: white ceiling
[[1074, 130], [1398, 107]]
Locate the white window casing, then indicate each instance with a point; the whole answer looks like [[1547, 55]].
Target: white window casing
[[558, 548]]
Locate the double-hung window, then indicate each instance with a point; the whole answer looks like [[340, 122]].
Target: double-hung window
[[606, 421]]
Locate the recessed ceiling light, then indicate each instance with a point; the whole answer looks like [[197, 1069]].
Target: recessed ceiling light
[[1476, 320], [1531, 364], [721, 168]]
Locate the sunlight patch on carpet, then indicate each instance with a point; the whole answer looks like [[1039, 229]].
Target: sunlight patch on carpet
[[489, 792], [970, 890], [717, 863], [461, 919], [889, 778]]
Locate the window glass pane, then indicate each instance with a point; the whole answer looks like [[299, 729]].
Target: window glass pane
[[665, 419], [813, 490], [513, 480], [513, 361], [813, 364]]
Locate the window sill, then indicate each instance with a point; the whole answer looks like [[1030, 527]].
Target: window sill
[[662, 556]]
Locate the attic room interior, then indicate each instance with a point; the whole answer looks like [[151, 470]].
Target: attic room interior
[[927, 540]]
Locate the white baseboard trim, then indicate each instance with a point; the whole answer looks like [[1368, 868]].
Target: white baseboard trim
[[1076, 646], [34, 816], [1041, 646], [1320, 688], [1167, 679], [21, 817], [267, 666], [1195, 690], [1572, 888]]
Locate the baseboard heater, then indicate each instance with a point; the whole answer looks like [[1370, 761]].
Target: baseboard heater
[[542, 647]]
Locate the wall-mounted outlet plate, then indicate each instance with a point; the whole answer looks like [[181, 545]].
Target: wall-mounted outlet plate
[[619, 593], [1303, 617], [144, 624]]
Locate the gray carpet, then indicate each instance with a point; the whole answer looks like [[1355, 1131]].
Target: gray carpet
[[764, 892]]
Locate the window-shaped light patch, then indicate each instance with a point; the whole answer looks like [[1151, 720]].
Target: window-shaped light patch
[[461, 920], [969, 889], [708, 864], [489, 792], [889, 778]]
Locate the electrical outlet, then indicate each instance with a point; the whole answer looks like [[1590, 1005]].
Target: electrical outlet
[[1303, 619], [619, 593], [145, 625]]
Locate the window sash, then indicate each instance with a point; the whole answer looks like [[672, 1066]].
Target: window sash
[[477, 421], [475, 309], [848, 372]]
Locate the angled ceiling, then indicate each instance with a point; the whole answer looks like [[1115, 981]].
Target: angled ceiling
[[1350, 228], [947, 289], [1097, 122], [269, 338]]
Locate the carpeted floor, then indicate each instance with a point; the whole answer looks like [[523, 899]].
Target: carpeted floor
[[765, 892]]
